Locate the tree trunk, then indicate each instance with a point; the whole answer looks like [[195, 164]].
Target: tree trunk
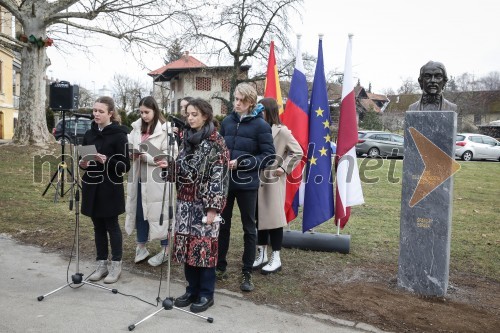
[[32, 124]]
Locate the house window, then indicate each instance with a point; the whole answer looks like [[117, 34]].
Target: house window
[[204, 83], [477, 119], [223, 108], [226, 85]]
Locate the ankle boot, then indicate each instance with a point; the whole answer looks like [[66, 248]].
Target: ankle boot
[[261, 257], [100, 271], [114, 272], [274, 264]]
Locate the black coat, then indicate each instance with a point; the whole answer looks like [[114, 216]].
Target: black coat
[[102, 184], [250, 142]]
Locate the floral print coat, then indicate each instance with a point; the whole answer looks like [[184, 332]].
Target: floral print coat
[[201, 183]]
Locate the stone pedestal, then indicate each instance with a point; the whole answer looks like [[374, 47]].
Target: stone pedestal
[[426, 201]]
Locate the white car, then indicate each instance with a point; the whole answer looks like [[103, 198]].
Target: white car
[[470, 146]]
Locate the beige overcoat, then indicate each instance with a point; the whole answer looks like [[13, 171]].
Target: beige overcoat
[[271, 203], [152, 186]]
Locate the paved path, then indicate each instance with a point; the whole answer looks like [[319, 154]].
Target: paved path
[[27, 272]]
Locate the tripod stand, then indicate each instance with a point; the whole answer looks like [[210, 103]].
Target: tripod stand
[[168, 302], [76, 278], [62, 166]]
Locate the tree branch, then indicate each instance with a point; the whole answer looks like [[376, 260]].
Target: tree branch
[[11, 6], [60, 5]]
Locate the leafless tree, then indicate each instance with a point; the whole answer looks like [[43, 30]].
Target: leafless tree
[[408, 86], [490, 82], [85, 98], [240, 31], [128, 92], [137, 24]]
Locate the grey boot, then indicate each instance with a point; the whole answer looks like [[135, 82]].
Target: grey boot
[[101, 270], [114, 272]]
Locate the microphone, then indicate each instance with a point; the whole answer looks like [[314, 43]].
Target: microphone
[[177, 121], [83, 115]]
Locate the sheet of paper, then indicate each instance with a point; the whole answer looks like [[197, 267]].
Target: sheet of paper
[[87, 153], [148, 147], [134, 151]]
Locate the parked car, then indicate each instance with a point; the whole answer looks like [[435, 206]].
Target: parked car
[[362, 133], [69, 131], [470, 146], [376, 143]]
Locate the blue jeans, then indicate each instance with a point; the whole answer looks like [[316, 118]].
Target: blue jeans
[[141, 224]]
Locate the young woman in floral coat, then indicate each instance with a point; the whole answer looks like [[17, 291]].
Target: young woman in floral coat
[[202, 183]]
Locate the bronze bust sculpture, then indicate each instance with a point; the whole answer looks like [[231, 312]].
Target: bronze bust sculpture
[[432, 79]]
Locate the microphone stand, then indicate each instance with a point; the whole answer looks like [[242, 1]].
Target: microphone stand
[[77, 278], [168, 186]]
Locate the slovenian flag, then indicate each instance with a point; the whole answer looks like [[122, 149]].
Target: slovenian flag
[[296, 118]]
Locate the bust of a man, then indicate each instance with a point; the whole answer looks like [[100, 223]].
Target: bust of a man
[[432, 80]]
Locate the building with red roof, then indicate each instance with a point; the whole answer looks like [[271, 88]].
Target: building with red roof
[[188, 76]]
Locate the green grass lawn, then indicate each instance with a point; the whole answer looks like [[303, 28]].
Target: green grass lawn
[[373, 226], [346, 285]]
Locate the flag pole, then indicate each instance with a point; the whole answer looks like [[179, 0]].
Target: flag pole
[[309, 238]]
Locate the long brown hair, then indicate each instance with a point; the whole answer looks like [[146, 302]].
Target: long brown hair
[[150, 103], [203, 107], [272, 111], [110, 103]]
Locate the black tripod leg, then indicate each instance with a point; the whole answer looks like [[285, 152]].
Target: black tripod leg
[[51, 181]]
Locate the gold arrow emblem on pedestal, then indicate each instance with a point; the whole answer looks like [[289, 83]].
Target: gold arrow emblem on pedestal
[[438, 167]]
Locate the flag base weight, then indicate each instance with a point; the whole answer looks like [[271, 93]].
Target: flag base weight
[[316, 241]]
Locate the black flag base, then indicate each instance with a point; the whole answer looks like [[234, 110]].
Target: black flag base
[[316, 241]]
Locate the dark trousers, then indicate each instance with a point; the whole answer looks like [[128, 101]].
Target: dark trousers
[[247, 201], [102, 227], [275, 236], [201, 280]]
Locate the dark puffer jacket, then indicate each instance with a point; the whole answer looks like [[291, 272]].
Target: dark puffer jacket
[[102, 184], [250, 142]]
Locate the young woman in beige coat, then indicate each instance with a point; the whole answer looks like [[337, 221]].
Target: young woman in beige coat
[[271, 199], [145, 185]]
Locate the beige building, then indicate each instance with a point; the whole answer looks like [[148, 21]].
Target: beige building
[[190, 77], [10, 77]]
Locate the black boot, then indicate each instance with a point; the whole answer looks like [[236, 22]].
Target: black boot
[[202, 304], [185, 300]]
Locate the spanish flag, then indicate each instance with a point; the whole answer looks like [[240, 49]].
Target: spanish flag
[[272, 88]]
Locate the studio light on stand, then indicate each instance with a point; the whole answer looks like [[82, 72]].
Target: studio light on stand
[[168, 186], [77, 278]]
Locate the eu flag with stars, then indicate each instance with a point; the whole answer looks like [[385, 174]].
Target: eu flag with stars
[[318, 195]]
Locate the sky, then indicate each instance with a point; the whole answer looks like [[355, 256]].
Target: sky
[[392, 40]]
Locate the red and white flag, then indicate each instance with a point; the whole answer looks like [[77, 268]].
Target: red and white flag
[[348, 184]]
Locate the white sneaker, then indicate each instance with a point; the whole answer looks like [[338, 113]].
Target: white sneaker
[[141, 253], [101, 270], [274, 264], [114, 272], [160, 257], [261, 257]]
